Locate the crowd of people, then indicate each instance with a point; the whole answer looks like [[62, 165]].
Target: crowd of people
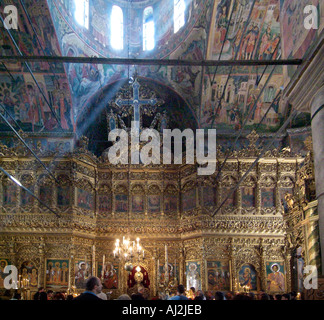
[[94, 292]]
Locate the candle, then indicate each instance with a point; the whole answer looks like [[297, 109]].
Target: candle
[[69, 279], [103, 266], [93, 271], [166, 271]]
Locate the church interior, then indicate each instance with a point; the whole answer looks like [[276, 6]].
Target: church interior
[[73, 71]]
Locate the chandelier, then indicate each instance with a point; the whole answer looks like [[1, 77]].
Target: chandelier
[[127, 250]]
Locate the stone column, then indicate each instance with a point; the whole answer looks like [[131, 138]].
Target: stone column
[[317, 113]]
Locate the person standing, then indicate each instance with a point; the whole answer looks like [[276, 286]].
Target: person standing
[[93, 287], [180, 293]]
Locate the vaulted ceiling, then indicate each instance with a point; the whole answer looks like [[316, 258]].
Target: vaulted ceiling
[[40, 94]]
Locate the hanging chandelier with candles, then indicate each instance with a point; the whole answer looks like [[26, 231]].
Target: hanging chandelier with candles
[[128, 250]]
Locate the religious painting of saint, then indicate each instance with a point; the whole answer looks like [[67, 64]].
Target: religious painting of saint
[[268, 198], [29, 272], [104, 203], [84, 199], [248, 197], [230, 202], [193, 275], [154, 203], [209, 197], [248, 277], [25, 198], [82, 271], [57, 273], [138, 203], [9, 195], [110, 276], [45, 194], [121, 203], [276, 279], [3, 264], [63, 196], [189, 200], [170, 203], [218, 275], [173, 271]]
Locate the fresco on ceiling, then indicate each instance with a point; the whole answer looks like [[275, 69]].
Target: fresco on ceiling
[[262, 33], [33, 109], [189, 43], [97, 36], [28, 104], [227, 102], [240, 98], [296, 39]]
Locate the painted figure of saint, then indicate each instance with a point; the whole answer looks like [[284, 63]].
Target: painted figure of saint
[[276, 279], [110, 277], [81, 276]]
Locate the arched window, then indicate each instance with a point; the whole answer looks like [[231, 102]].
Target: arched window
[[148, 29], [179, 14], [117, 28], [81, 13]]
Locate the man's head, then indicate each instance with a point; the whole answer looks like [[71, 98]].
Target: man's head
[[94, 284], [181, 289]]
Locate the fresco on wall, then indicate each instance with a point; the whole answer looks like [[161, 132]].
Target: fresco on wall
[[57, 273], [28, 271], [154, 203], [170, 203], [173, 271], [63, 195], [9, 194], [193, 275], [46, 194], [262, 34], [239, 93], [276, 278], [268, 198], [3, 275], [26, 199], [248, 197], [230, 202], [189, 200], [138, 203], [82, 271], [218, 275], [104, 203], [240, 102], [25, 101], [296, 38], [209, 197], [248, 277], [121, 203], [109, 278], [85, 199]]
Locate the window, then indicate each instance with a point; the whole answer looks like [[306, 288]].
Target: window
[[148, 29], [81, 13], [179, 14], [117, 28]]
